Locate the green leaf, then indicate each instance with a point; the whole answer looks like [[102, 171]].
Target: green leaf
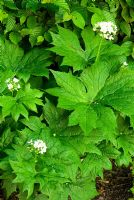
[[10, 4], [124, 159], [85, 116], [3, 15], [30, 97], [78, 19], [94, 164], [18, 109], [7, 103], [15, 37], [130, 3], [89, 44], [31, 22], [10, 23], [33, 123], [75, 90], [119, 92], [100, 15], [6, 137], [25, 171], [126, 28], [8, 185], [55, 117], [35, 62], [32, 4], [66, 44], [11, 106], [60, 3], [72, 91], [94, 78], [10, 59], [109, 150], [126, 142], [106, 122], [85, 190]]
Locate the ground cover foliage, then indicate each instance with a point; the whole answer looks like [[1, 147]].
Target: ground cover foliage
[[66, 95]]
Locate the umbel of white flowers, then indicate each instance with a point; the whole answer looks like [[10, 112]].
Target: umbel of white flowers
[[38, 145], [106, 30], [13, 84]]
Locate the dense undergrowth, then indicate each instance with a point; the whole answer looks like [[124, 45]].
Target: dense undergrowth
[[66, 95]]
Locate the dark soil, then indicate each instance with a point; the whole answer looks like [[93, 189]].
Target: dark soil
[[115, 186]]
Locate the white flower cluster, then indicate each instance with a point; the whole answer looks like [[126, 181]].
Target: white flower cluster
[[38, 145], [106, 30], [13, 84]]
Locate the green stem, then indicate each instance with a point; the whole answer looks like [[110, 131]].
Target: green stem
[[98, 53]]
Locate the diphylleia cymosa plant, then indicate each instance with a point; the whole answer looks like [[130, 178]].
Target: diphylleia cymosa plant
[[66, 96]]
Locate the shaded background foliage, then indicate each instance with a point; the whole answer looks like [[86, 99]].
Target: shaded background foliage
[[75, 95]]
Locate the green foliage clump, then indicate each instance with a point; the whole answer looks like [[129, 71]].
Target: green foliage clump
[[66, 95]]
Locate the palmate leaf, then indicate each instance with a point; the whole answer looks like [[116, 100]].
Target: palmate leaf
[[10, 187], [119, 92], [85, 190], [85, 116], [94, 164], [30, 97], [75, 90], [66, 44], [106, 122], [55, 117], [16, 106], [35, 62], [71, 92], [94, 78], [78, 93], [25, 171], [126, 142], [10, 55], [58, 3]]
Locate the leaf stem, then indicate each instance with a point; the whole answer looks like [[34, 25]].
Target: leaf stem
[[98, 53]]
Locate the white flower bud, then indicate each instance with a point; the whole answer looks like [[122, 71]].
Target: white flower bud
[[10, 86], [18, 86], [15, 80], [125, 63]]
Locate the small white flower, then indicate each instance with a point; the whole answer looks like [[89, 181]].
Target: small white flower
[[15, 80], [18, 86], [125, 63], [10, 86]]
